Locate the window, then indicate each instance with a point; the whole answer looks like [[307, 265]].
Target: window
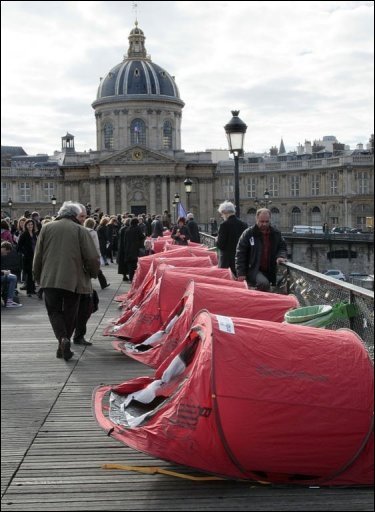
[[333, 185], [296, 216], [4, 192], [227, 187], [138, 132], [25, 192], [294, 188], [48, 190], [275, 217], [315, 185], [273, 186], [363, 182], [250, 187], [316, 217], [108, 136], [167, 135]]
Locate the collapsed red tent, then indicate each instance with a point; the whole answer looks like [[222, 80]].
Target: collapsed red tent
[[254, 400], [145, 263], [156, 271], [159, 303], [225, 300]]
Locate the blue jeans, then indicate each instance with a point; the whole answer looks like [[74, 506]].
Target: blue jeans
[[12, 283]]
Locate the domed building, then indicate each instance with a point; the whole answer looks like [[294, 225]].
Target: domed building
[[139, 165], [138, 103]]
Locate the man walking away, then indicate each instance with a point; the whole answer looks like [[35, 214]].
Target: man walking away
[[65, 260], [229, 233], [193, 228]]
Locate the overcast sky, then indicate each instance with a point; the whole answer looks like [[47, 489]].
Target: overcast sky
[[297, 70]]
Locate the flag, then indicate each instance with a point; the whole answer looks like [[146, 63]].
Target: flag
[[181, 212]]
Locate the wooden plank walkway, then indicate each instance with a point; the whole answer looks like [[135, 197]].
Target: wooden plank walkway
[[53, 449]]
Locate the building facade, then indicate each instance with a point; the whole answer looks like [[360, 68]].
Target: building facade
[[139, 165]]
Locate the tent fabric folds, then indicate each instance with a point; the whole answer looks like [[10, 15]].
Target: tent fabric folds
[[252, 399], [225, 301]]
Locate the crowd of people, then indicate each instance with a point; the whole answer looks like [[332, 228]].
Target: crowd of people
[[61, 255]]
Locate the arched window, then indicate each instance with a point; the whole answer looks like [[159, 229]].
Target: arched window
[[296, 216], [108, 136], [138, 132], [251, 216], [275, 217], [167, 135], [316, 216]]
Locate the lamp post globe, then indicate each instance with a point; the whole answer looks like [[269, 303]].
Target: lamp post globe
[[235, 131], [53, 201], [188, 188], [10, 204], [266, 196]]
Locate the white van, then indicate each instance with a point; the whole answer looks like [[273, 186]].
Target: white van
[[302, 230]]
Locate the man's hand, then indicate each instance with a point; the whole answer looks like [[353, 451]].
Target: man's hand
[[241, 278], [281, 260]]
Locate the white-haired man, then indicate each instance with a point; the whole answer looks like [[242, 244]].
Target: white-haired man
[[193, 228], [65, 260], [229, 233]]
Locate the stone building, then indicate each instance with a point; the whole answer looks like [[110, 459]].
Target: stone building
[[139, 165]]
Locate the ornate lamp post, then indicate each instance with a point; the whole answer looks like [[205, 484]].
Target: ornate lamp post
[[174, 210], [10, 204], [53, 201], [188, 187], [235, 131], [266, 196], [176, 201]]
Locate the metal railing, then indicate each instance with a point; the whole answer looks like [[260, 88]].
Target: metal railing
[[313, 288]]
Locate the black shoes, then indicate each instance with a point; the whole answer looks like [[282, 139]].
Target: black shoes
[[106, 286], [82, 341], [64, 350]]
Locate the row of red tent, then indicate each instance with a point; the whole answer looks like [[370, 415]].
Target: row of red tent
[[237, 391]]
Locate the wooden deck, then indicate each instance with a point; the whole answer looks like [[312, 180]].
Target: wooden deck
[[53, 450]]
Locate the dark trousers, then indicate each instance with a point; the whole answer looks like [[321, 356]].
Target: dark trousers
[[102, 280], [62, 308], [84, 313]]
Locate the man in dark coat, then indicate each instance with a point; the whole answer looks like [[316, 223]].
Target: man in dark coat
[[133, 242], [193, 228], [260, 249], [229, 233]]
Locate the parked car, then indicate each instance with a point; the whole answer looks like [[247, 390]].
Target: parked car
[[340, 230], [355, 230], [337, 274]]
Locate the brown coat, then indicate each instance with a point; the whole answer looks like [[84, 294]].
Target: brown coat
[[65, 257]]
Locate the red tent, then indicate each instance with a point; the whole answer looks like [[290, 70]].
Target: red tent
[[225, 300], [157, 306], [255, 400], [156, 271], [145, 262]]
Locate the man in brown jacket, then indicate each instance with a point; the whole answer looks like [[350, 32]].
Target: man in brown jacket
[[65, 260]]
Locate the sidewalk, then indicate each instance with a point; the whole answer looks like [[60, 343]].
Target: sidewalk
[[53, 449]]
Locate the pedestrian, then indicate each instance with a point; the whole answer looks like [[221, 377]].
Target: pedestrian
[[260, 249], [8, 280], [65, 260], [157, 227], [193, 228], [133, 241], [103, 238], [26, 246], [180, 232], [229, 233], [213, 226], [90, 224]]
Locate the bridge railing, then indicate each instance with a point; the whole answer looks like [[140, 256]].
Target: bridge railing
[[313, 288]]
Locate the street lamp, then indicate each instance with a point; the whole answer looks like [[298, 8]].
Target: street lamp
[[10, 204], [53, 201], [176, 200], [188, 187], [266, 196], [174, 204], [235, 131]]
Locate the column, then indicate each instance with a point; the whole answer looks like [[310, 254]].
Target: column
[[75, 192], [164, 196], [93, 194], [172, 187], [68, 191], [124, 202], [152, 197], [112, 203], [103, 196], [210, 202]]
